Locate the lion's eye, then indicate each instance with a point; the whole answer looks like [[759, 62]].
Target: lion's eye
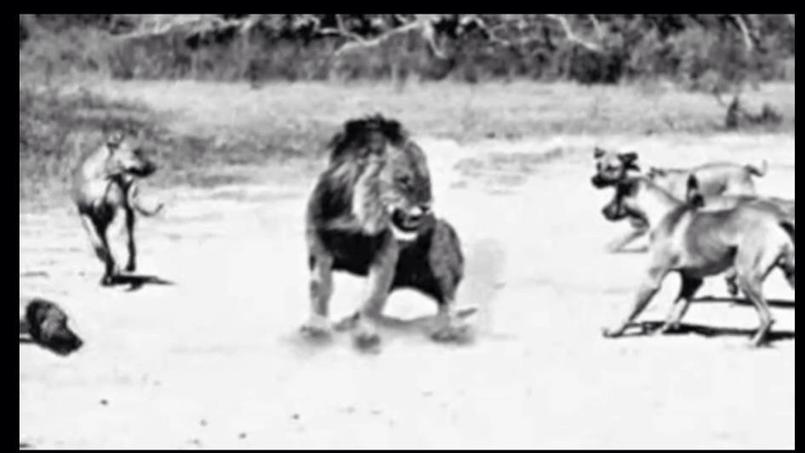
[[404, 180]]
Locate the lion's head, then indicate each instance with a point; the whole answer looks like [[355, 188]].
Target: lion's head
[[389, 176]]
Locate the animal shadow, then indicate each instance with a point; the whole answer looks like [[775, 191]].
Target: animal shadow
[[777, 303], [396, 327], [136, 282], [26, 339], [649, 327]]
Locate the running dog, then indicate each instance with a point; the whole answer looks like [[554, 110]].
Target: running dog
[[106, 195], [750, 237], [719, 178]]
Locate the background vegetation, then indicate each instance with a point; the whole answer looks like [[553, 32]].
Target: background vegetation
[[238, 89]]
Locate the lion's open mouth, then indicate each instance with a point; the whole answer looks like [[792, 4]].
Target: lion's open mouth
[[405, 226]]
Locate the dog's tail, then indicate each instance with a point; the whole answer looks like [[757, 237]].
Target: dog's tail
[[758, 171], [148, 212], [134, 201]]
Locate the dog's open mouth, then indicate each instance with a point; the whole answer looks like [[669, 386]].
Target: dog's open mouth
[[405, 226], [599, 181], [145, 170]]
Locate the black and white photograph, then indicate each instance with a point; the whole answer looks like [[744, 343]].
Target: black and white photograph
[[406, 231]]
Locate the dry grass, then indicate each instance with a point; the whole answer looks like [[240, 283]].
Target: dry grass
[[201, 128], [459, 111]]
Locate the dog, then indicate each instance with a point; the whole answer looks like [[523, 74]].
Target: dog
[[697, 243], [720, 178], [46, 324], [106, 195]]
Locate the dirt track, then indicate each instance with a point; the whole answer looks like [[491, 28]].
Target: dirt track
[[214, 360]]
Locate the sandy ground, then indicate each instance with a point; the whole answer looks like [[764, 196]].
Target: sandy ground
[[215, 360]]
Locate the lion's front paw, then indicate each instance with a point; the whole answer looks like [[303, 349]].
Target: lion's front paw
[[315, 328], [366, 337], [453, 333]]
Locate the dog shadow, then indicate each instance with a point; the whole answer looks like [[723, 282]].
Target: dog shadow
[[777, 303], [27, 340], [649, 327], [136, 282]]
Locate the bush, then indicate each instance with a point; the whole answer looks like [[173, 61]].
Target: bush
[[286, 47]]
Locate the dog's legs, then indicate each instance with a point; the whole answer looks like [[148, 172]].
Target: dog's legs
[[686, 292], [115, 247], [753, 266], [131, 265], [97, 237], [650, 286], [786, 264], [731, 278], [321, 288], [379, 280], [618, 244], [752, 288]]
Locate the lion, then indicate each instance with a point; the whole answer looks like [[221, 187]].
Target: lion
[[370, 215], [106, 195]]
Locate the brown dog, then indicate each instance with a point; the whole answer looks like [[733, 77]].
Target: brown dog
[[45, 323], [714, 179], [750, 237], [105, 193]]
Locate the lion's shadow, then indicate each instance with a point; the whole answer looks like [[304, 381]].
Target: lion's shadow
[[425, 323]]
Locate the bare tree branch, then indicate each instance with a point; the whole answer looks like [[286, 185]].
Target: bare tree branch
[[340, 30], [489, 33], [572, 37], [599, 31], [424, 23], [745, 32], [161, 24]]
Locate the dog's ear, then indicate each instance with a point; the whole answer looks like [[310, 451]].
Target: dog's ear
[[114, 138], [629, 158], [35, 313], [598, 152], [693, 197]]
